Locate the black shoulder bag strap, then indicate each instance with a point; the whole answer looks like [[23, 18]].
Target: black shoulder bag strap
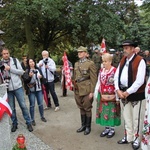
[[15, 62]]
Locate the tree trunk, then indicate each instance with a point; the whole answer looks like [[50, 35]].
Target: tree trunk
[[29, 37]]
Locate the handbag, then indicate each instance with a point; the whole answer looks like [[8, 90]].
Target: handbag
[[31, 85], [56, 76], [108, 97], [44, 80], [25, 77]]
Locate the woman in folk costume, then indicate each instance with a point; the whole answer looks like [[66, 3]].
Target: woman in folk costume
[[145, 143], [107, 111]]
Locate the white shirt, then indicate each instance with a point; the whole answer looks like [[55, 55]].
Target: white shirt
[[140, 78]]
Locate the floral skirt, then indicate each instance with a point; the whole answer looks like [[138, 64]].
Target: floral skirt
[[146, 128], [107, 113]]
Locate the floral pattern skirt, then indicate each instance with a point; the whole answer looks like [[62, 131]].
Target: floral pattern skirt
[[107, 113], [145, 143]]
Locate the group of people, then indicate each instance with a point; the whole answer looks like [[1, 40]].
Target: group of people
[[31, 75], [116, 90]]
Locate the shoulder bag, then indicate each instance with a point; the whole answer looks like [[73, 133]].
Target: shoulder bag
[[56, 76]]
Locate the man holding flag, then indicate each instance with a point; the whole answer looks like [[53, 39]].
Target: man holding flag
[[67, 72]]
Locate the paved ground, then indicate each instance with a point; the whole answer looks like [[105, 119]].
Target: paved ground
[[60, 130]]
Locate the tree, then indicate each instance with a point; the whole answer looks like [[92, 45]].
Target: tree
[[58, 25]]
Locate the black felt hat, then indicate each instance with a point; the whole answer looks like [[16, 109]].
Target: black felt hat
[[128, 43]]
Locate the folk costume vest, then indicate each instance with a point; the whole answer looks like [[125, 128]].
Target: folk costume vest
[[132, 72]]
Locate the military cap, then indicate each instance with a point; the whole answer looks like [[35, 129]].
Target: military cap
[[128, 43], [82, 49]]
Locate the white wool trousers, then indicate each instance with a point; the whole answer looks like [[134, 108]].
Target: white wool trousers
[[133, 114]]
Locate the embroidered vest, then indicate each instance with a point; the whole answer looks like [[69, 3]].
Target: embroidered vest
[[132, 72]]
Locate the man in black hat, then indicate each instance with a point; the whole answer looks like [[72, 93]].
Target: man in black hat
[[130, 88]]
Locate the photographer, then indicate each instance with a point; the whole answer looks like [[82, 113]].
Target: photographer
[[34, 90], [48, 66], [11, 76]]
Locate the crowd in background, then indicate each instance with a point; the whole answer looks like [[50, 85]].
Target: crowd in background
[[93, 77]]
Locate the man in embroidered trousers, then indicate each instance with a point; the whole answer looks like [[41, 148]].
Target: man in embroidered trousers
[[130, 88]]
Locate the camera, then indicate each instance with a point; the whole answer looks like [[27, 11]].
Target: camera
[[46, 61], [2, 67], [34, 71], [7, 77]]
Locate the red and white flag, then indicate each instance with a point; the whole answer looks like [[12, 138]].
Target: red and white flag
[[103, 46], [67, 72], [4, 106]]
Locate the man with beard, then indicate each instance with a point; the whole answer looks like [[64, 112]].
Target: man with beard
[[11, 76]]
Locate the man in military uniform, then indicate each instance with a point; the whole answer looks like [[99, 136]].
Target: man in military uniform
[[85, 77], [116, 59], [97, 59]]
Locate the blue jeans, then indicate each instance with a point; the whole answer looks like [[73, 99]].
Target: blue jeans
[[19, 94], [51, 87], [39, 96]]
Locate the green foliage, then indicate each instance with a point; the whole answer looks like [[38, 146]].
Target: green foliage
[[61, 25], [15, 147]]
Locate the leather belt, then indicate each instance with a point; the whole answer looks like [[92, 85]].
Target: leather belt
[[82, 79]]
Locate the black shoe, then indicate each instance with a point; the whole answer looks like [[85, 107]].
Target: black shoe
[[33, 123], [105, 132], [135, 145], [14, 128], [123, 141], [29, 127], [43, 119], [111, 134]]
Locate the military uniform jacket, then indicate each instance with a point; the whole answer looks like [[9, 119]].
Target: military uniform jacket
[[85, 76], [96, 58]]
